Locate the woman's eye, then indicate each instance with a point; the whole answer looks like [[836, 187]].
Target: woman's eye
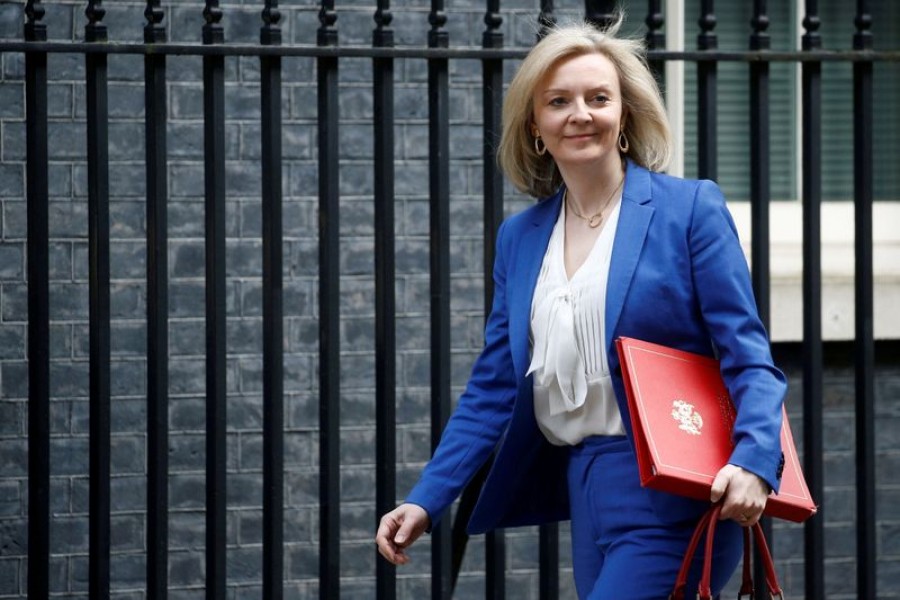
[[558, 101], [601, 98]]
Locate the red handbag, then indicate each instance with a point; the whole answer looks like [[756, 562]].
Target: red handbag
[[707, 525]]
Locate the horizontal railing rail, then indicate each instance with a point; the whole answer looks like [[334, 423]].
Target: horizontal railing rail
[[424, 52]]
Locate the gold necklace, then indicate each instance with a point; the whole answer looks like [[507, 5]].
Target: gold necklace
[[596, 219]]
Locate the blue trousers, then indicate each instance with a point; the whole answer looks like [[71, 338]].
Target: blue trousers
[[620, 547]]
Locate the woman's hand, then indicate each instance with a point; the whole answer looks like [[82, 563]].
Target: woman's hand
[[745, 494], [399, 529]]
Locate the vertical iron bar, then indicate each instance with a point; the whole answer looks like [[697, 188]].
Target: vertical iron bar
[[273, 325], [546, 20], [329, 311], [864, 345], [439, 216], [707, 71], [600, 13], [385, 285], [655, 38], [812, 301], [549, 560], [759, 202], [157, 309], [98, 257], [216, 394], [492, 104], [38, 258]]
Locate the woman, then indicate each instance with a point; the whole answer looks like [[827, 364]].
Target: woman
[[613, 249]]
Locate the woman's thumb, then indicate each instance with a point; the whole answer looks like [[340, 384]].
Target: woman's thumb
[[718, 487]]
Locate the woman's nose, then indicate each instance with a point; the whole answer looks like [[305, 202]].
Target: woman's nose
[[579, 112]]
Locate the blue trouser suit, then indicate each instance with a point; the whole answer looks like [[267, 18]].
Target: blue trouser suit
[[620, 548]]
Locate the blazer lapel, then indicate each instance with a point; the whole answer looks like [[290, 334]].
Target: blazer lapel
[[634, 220], [529, 257]]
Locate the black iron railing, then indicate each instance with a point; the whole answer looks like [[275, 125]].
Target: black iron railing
[[447, 544]]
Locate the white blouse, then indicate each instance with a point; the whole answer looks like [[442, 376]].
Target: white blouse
[[573, 394]]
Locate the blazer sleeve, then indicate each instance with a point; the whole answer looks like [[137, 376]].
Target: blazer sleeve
[[483, 411], [728, 306]]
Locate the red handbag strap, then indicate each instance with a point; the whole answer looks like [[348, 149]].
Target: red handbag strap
[[707, 524], [775, 590], [681, 580]]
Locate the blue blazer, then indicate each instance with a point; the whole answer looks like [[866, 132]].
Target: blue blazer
[[677, 277]]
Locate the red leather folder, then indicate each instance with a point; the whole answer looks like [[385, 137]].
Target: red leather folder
[[682, 417]]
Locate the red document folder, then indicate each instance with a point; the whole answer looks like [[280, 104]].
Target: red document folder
[[682, 417]]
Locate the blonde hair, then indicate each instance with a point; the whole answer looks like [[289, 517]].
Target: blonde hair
[[646, 126]]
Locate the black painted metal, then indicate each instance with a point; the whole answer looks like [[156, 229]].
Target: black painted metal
[[864, 345], [157, 309], [812, 302], [385, 292], [545, 20], [492, 104], [760, 195], [214, 190], [329, 311], [462, 52], [273, 324], [98, 257], [655, 38], [601, 13], [548, 584], [707, 108], [38, 257], [439, 231]]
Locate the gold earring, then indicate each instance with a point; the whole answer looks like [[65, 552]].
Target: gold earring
[[623, 142], [539, 146]]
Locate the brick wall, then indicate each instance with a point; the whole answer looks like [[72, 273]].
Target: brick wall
[[69, 310]]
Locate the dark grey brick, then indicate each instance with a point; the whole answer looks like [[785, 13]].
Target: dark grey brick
[[69, 456], [303, 102], [12, 184], [13, 66], [300, 410], [187, 414], [13, 380], [357, 256], [9, 577], [356, 179], [12, 262], [244, 564], [186, 568], [187, 258], [243, 258], [186, 179], [12, 17], [67, 220], [70, 534], [12, 341], [11, 502], [14, 534], [125, 24], [301, 488], [187, 491], [126, 100], [356, 140], [12, 101]]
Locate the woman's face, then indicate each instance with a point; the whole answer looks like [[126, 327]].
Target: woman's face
[[578, 111]]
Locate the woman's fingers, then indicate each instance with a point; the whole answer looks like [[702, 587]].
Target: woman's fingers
[[744, 494], [398, 529]]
